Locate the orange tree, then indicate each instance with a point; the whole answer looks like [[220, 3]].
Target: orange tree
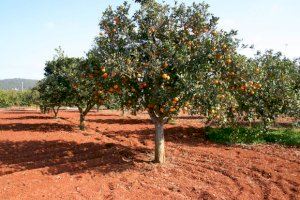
[[270, 87], [73, 82], [87, 89], [152, 56], [216, 82], [55, 89], [236, 88], [52, 94]]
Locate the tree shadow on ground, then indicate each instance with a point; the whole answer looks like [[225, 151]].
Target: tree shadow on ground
[[55, 157], [121, 121], [103, 115], [184, 135], [30, 117], [38, 127], [21, 112]]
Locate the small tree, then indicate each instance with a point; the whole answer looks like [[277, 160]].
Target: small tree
[[55, 89], [153, 55], [52, 95], [86, 90]]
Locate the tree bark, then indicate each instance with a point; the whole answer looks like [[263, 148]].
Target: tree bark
[[82, 122], [55, 114], [55, 111], [159, 122], [83, 113], [134, 112], [123, 111], [42, 109], [159, 143]]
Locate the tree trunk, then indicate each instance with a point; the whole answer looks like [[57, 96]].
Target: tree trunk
[[134, 112], [159, 143], [82, 120], [98, 108], [42, 109], [123, 112], [55, 112]]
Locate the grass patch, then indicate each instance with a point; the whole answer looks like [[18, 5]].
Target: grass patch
[[288, 137]]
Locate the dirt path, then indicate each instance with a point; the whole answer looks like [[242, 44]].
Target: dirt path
[[46, 158]]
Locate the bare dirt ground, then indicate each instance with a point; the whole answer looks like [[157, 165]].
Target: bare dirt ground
[[46, 158]]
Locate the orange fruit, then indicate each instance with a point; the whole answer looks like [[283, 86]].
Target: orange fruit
[[105, 75]]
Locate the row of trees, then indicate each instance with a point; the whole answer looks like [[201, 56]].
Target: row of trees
[[165, 59], [9, 98]]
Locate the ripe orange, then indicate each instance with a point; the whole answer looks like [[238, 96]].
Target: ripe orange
[[243, 87], [172, 109], [257, 70], [228, 61], [175, 100], [219, 56], [216, 82], [143, 85], [105, 75], [166, 76]]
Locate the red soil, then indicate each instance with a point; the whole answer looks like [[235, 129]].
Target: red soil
[[45, 158]]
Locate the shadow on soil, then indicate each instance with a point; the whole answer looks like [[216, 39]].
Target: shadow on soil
[[30, 117], [121, 121], [102, 115], [38, 127], [66, 157], [21, 112], [185, 135]]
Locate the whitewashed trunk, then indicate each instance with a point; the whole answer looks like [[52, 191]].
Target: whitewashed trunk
[[159, 143]]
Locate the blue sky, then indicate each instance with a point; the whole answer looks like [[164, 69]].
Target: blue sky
[[32, 29]]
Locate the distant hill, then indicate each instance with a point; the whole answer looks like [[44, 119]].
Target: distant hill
[[16, 84]]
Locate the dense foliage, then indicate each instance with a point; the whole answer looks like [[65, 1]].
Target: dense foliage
[[166, 59], [73, 82], [9, 98]]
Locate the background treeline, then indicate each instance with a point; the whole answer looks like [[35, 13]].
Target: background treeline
[[10, 98]]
